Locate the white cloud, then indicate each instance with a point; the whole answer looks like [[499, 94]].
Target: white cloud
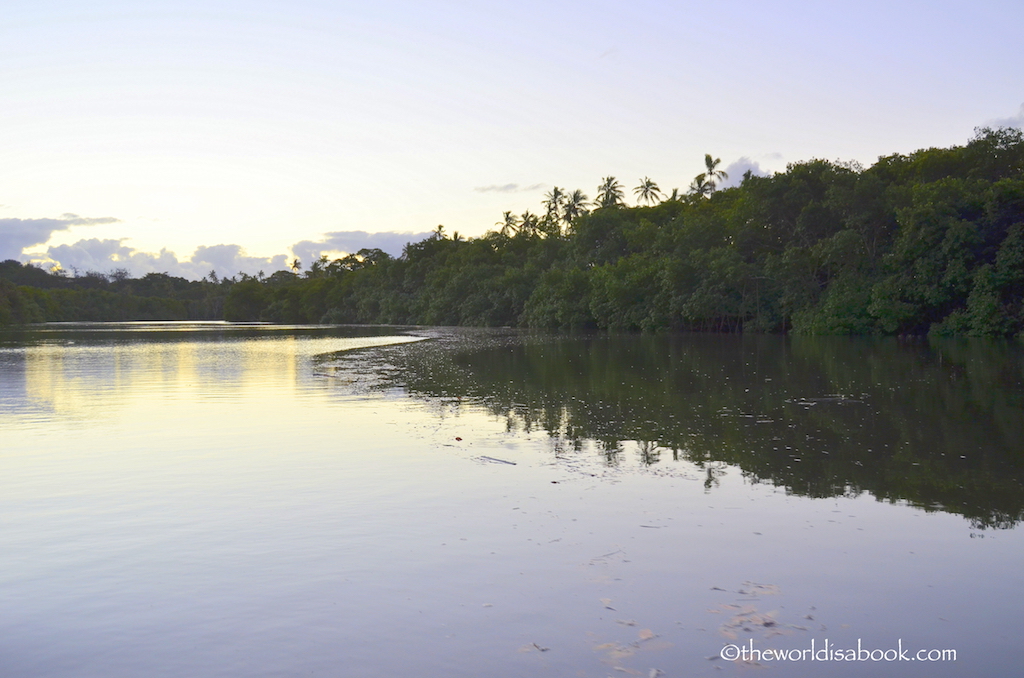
[[1013, 121], [508, 188], [104, 256], [230, 259], [308, 251], [737, 169], [19, 234]]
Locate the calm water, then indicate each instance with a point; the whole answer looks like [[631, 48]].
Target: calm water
[[211, 500]]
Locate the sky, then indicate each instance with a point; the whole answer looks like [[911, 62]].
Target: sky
[[232, 135]]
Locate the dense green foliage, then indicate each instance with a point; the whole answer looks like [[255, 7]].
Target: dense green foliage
[[29, 294], [933, 241], [927, 242]]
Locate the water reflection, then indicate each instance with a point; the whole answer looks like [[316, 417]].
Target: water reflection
[[938, 425], [215, 502], [93, 372]]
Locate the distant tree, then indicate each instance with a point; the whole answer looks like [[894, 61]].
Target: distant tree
[[647, 191], [529, 223], [554, 199], [700, 186], [509, 224], [318, 269], [713, 175], [609, 193], [295, 265], [575, 206]]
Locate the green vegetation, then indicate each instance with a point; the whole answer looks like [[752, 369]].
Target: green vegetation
[[29, 294], [931, 242]]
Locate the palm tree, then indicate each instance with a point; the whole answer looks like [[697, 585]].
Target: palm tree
[[528, 223], [700, 186], [609, 193], [647, 191], [713, 176], [555, 198], [675, 197], [509, 224], [575, 205]]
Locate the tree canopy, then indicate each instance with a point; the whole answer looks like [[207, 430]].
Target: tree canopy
[[932, 242]]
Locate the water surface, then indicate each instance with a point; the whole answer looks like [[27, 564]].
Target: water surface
[[214, 500]]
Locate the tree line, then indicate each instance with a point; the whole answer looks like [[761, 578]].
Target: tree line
[[929, 242], [29, 294]]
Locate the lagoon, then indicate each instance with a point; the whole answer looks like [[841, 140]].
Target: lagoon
[[208, 499]]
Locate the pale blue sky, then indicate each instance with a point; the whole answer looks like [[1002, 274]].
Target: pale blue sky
[[261, 125]]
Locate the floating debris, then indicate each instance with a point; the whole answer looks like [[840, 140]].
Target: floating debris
[[754, 589], [616, 652], [496, 460]]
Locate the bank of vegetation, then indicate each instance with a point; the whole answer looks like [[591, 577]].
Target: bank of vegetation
[[930, 242]]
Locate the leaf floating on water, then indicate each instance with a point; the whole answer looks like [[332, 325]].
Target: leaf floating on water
[[542, 649], [646, 634], [607, 602], [625, 622]]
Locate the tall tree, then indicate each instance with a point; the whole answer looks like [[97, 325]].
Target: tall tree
[[647, 191], [700, 186], [576, 204], [529, 223], [553, 201], [713, 175], [509, 224], [609, 193]]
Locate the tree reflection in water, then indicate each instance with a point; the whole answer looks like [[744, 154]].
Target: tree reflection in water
[[937, 424]]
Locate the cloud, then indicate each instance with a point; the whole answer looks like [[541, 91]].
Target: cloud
[[104, 256], [1014, 121], [737, 169], [229, 259], [391, 242], [75, 220], [17, 234], [508, 188]]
